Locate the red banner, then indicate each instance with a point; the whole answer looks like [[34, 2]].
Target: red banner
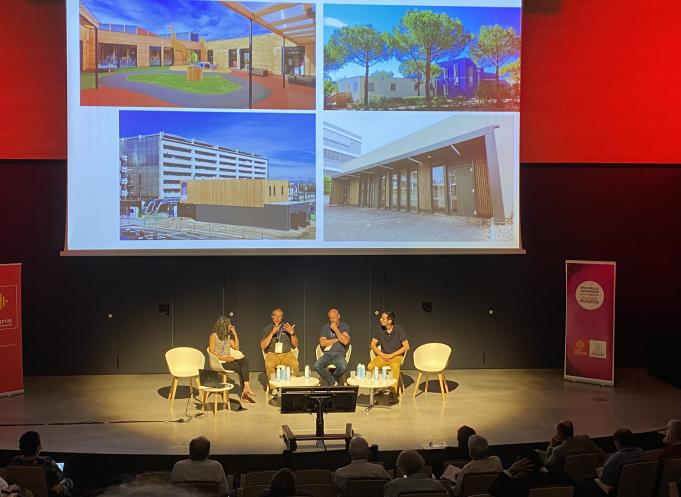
[[590, 322], [11, 366]]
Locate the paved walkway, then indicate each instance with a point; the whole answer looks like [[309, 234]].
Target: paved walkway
[[364, 224], [235, 100], [294, 96], [118, 97]]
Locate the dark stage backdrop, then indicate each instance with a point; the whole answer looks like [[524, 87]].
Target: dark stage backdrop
[[626, 214]]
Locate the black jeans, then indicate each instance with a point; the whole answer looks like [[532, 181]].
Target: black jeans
[[240, 367]]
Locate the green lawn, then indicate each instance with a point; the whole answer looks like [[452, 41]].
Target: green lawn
[[210, 85]]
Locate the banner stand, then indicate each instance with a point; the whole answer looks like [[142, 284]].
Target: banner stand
[[11, 362], [590, 322]]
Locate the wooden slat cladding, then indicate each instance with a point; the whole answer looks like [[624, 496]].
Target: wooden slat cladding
[[237, 192], [353, 195], [424, 185], [483, 198], [336, 193]]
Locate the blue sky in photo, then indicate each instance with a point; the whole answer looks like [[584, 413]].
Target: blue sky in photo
[[287, 140], [209, 19], [385, 17]]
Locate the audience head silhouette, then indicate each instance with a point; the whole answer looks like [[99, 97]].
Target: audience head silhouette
[[359, 448], [565, 429], [29, 443], [199, 449], [478, 448], [283, 483], [672, 434], [410, 462]]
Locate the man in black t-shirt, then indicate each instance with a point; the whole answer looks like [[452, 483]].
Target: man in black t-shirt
[[389, 343]]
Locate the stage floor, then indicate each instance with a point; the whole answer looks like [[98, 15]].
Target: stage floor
[[131, 414]]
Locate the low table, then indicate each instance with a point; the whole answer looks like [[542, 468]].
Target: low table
[[372, 385], [215, 392], [295, 381]]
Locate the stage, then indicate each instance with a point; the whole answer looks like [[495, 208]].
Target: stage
[[130, 414]]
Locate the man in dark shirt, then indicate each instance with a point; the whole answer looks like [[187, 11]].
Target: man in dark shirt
[[526, 473], [29, 448], [627, 453], [389, 343], [276, 341], [334, 341]]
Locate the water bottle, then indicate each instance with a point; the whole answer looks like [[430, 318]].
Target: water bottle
[[384, 373], [359, 371], [288, 373], [363, 372], [278, 374], [307, 371], [375, 374]]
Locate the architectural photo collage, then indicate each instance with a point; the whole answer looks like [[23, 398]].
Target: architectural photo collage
[[348, 123]]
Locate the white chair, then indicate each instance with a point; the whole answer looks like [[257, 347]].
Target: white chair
[[400, 383], [184, 362], [294, 350], [318, 353], [432, 358], [217, 365]]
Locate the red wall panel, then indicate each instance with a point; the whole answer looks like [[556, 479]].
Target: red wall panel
[[600, 81]]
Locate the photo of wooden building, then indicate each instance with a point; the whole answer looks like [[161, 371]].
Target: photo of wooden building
[[436, 170], [243, 202]]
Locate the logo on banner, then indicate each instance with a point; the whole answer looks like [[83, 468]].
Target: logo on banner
[[580, 347], [590, 295], [598, 349], [8, 308]]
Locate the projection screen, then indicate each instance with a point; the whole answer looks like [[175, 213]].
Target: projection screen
[[317, 127]]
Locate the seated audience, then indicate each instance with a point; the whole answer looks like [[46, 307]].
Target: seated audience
[[29, 455], [481, 461], [608, 476], [565, 443], [198, 468], [359, 467], [524, 474], [283, 484], [411, 463], [672, 441]]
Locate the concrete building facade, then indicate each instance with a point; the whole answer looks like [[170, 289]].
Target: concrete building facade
[[340, 146], [381, 86], [154, 166]]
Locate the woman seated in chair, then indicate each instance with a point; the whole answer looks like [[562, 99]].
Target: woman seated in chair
[[223, 340]]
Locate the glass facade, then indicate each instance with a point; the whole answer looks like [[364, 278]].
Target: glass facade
[[117, 55], [413, 191]]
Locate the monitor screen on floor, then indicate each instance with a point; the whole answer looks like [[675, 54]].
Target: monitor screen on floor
[[267, 127]]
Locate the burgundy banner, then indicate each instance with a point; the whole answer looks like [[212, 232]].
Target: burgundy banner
[[590, 321], [11, 366]]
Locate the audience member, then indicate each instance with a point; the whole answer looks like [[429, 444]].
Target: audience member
[[527, 472], [411, 463], [608, 476], [481, 461], [198, 468], [29, 449], [565, 443], [462, 436], [283, 484], [672, 440], [359, 467]]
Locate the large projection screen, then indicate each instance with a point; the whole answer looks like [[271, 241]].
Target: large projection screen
[[220, 127]]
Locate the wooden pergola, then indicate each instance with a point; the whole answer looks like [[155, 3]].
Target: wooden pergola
[[89, 21], [291, 21]]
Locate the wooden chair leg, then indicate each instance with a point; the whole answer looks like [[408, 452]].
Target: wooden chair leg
[[173, 388], [418, 382], [444, 380], [225, 398], [215, 404], [442, 386], [425, 386]]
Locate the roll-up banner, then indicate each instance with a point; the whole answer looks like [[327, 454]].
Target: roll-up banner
[[590, 322], [11, 365]]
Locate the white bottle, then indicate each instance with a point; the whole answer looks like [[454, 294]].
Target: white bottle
[[307, 371], [288, 373], [375, 374]]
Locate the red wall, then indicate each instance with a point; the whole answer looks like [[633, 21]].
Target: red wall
[[600, 81]]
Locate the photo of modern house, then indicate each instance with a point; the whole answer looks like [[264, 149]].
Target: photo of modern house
[[461, 167], [198, 54], [176, 187], [377, 58]]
